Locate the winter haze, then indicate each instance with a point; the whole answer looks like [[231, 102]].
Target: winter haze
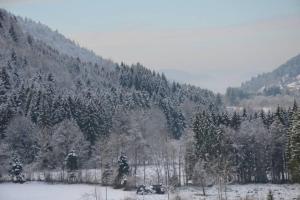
[[152, 100]]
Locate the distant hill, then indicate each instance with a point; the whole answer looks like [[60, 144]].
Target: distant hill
[[284, 79], [283, 82]]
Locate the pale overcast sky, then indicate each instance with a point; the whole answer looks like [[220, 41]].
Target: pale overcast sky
[[210, 43]]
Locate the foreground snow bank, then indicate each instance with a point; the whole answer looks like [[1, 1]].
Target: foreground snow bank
[[44, 191], [249, 191]]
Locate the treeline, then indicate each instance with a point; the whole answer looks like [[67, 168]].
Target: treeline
[[48, 86], [246, 148], [47, 97]]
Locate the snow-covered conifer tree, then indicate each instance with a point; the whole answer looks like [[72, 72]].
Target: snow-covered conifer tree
[[294, 148], [72, 161], [16, 169], [277, 155], [123, 171]]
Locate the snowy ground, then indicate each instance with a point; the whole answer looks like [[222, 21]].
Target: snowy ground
[[94, 175], [249, 191], [43, 191]]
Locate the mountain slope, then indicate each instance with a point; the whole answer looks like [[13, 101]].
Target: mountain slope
[[48, 84], [282, 80], [57, 41], [281, 86]]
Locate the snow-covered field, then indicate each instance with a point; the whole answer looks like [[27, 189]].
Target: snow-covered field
[[94, 175], [250, 192], [44, 191]]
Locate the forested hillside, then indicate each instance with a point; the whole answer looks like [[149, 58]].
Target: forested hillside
[[44, 89], [279, 81], [281, 86], [60, 110], [248, 147]]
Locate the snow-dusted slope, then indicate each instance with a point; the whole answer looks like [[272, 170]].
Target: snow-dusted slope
[[49, 60], [281, 80], [58, 41]]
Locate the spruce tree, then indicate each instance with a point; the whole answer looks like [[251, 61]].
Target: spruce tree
[[235, 121], [207, 137], [123, 172], [277, 156], [6, 112], [123, 165], [294, 148], [72, 161], [295, 106], [4, 86], [262, 116], [13, 33], [244, 115], [16, 170], [225, 119]]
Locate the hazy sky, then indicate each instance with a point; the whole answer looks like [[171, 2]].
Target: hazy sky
[[210, 43]]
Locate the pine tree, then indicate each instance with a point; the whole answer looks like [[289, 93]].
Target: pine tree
[[60, 111], [35, 110], [225, 119], [13, 33], [175, 119], [5, 86], [269, 119], [262, 116], [235, 121], [44, 119], [295, 106], [244, 115], [207, 137], [288, 133], [294, 148], [6, 111], [72, 161], [6, 114], [255, 115], [277, 156], [91, 118], [123, 165], [16, 170], [123, 172]]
